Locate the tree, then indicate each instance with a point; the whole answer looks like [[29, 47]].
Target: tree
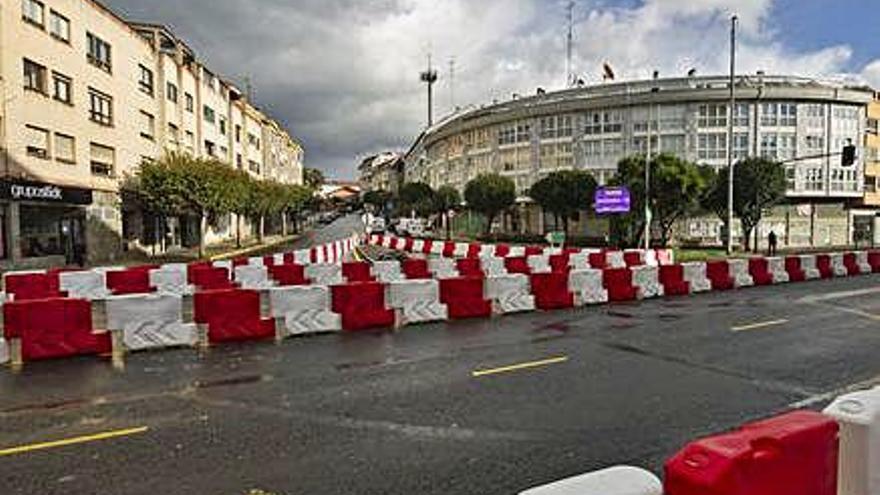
[[313, 178], [564, 193], [418, 197], [490, 195], [448, 199], [377, 198], [759, 185]]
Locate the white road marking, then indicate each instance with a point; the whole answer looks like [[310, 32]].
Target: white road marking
[[756, 326], [831, 296]]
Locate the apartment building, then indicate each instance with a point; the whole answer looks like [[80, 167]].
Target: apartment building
[[86, 98]]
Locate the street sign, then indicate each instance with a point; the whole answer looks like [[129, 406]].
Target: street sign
[[612, 200]]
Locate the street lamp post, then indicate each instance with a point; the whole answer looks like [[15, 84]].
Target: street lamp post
[[730, 112], [429, 77]]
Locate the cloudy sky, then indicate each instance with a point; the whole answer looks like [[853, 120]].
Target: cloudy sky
[[343, 74]]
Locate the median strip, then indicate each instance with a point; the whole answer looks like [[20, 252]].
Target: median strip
[[756, 326], [72, 441], [519, 367]]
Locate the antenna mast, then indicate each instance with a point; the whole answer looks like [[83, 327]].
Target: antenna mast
[[569, 77], [429, 77]]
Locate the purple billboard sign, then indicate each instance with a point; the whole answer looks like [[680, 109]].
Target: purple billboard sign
[[612, 200]]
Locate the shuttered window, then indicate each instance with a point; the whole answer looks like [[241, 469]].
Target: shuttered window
[[65, 149], [102, 159], [37, 142]]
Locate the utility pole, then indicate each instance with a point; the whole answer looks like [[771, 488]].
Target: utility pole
[[730, 112], [569, 77], [429, 77], [654, 90]]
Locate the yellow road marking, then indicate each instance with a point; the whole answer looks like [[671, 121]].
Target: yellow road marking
[[763, 324], [521, 366], [72, 441]]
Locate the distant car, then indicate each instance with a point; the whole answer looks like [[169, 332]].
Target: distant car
[[377, 225], [413, 227]]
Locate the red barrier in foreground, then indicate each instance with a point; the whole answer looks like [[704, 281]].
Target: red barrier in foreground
[[469, 267], [759, 269], [125, 282], [362, 306], [534, 250], [598, 261], [416, 269], [408, 244], [874, 261], [672, 279], [851, 264], [517, 264], [232, 315], [464, 298], [618, 283], [210, 278], [427, 246], [633, 258], [551, 290], [823, 264], [448, 249], [502, 250], [53, 328], [792, 454], [288, 274], [358, 271], [474, 250], [32, 286], [559, 263], [718, 272], [794, 270]]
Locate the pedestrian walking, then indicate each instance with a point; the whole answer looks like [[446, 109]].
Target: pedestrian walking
[[772, 242]]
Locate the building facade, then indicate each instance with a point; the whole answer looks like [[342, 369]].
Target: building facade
[[86, 98], [382, 172], [593, 128]]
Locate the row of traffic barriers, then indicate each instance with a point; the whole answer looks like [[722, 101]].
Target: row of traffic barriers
[[802, 452], [61, 313]]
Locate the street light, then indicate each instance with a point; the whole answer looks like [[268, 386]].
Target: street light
[[429, 77], [730, 111], [654, 90]]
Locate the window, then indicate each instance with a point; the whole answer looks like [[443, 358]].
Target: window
[[741, 114], [209, 114], [612, 122], [254, 166], [507, 135], [556, 127], [593, 123], [778, 146], [102, 159], [34, 76], [237, 133], [189, 102], [65, 148], [209, 148], [173, 135], [190, 141], [223, 126], [740, 146], [145, 82], [148, 126], [32, 11], [100, 107], [814, 110], [523, 133], [99, 52], [224, 153], [254, 140], [171, 92], [37, 142], [769, 146], [59, 27], [769, 114], [712, 116], [712, 146], [814, 144], [787, 114], [674, 144], [238, 162], [62, 88]]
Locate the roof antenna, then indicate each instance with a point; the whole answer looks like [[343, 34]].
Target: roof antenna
[[569, 77]]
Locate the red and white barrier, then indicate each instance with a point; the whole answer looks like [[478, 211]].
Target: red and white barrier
[[619, 283], [673, 279], [647, 279], [387, 271], [493, 266], [809, 266], [509, 293], [170, 280], [416, 301], [301, 310], [52, 328], [232, 315], [89, 285], [620, 480], [150, 321], [254, 277], [858, 415], [539, 263], [776, 266], [551, 290], [741, 272], [362, 306], [324, 273], [587, 286], [465, 298], [442, 268], [838, 266], [861, 261]]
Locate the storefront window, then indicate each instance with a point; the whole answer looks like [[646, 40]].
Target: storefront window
[[51, 231]]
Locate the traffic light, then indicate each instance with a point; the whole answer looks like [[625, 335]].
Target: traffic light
[[848, 155]]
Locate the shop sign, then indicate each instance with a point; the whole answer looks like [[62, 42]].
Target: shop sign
[[21, 190]]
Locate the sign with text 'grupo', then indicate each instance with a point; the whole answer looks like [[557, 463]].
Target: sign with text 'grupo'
[[612, 200]]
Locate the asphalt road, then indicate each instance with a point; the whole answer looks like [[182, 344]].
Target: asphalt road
[[403, 413]]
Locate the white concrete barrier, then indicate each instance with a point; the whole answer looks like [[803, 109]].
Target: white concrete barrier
[[539, 263], [587, 286], [89, 285], [739, 270], [493, 266], [808, 265], [838, 266], [324, 274], [647, 279], [150, 321], [437, 248], [461, 249], [487, 250], [170, 281], [579, 261], [651, 258], [418, 245], [614, 259], [303, 309], [278, 258], [621, 480], [695, 276], [223, 264], [416, 301], [302, 257], [858, 414], [442, 268], [517, 252], [253, 277], [173, 267], [387, 271], [509, 293], [4, 351], [862, 261], [776, 266]]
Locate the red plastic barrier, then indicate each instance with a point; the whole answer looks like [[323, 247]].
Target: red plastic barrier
[[379, 240], [551, 290], [427, 246], [792, 454], [408, 244], [53, 328], [288, 274], [464, 298], [502, 250], [598, 260], [335, 252], [874, 260], [823, 264], [362, 306], [268, 260], [415, 268], [633, 258], [132, 281], [32, 286], [794, 270], [672, 279], [289, 259], [313, 255], [232, 315], [357, 272], [326, 253], [534, 251], [718, 272], [474, 250], [210, 278], [198, 265], [851, 264], [469, 267], [618, 283], [517, 264], [240, 261], [559, 262], [448, 249], [759, 269]]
